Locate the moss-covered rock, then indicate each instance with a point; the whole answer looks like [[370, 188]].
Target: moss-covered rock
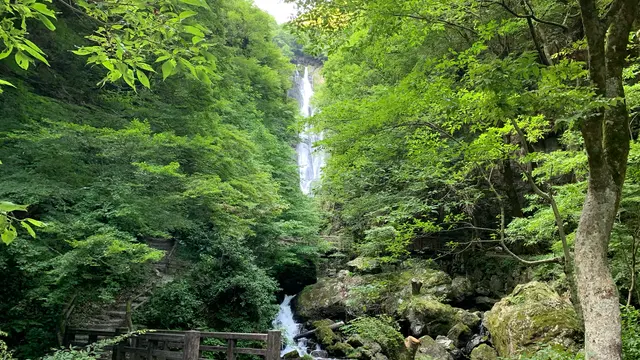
[[484, 352], [461, 289], [531, 316], [324, 334], [430, 350], [365, 265], [459, 334], [428, 316], [357, 294], [341, 349]]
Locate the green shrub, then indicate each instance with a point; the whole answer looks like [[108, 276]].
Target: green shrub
[[630, 333], [553, 353]]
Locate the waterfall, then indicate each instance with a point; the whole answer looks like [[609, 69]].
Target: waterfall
[[284, 321], [310, 159]]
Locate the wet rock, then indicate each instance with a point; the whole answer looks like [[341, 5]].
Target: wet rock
[[461, 289], [457, 354], [459, 334], [319, 354], [485, 302], [445, 342], [293, 354], [380, 356], [475, 341], [496, 285], [430, 350], [531, 316], [341, 349], [428, 316], [484, 352], [472, 320]]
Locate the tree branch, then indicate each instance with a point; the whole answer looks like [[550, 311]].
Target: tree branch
[[531, 16]]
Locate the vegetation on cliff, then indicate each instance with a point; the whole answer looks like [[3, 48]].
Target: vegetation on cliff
[[110, 167]]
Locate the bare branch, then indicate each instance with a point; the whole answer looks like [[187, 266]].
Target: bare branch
[[531, 16]]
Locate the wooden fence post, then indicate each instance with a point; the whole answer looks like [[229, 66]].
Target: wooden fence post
[[191, 349], [231, 349], [274, 345]]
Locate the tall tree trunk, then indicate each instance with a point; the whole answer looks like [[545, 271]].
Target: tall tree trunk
[[606, 136]]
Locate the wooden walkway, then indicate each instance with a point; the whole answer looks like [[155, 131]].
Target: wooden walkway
[[180, 345]]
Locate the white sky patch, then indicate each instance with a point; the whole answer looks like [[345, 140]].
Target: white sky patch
[[280, 10]]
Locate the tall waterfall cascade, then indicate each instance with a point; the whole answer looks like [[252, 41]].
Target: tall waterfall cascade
[[310, 158]]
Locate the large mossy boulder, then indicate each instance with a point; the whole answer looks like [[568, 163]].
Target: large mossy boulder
[[428, 316], [533, 315], [429, 349], [327, 298], [357, 294], [484, 352]]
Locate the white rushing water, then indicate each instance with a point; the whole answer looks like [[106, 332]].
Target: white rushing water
[[310, 159], [284, 321]]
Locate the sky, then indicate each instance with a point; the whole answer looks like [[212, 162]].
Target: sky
[[278, 8]]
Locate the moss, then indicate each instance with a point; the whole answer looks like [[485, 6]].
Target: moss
[[324, 334], [342, 349], [533, 315], [307, 357], [484, 352], [460, 334]]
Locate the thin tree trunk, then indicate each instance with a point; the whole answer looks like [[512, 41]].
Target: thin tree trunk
[[606, 138], [596, 288], [634, 249]]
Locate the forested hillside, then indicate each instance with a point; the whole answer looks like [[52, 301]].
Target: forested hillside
[[487, 136], [109, 167]]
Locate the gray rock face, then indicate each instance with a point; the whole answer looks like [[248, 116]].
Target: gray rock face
[[461, 289], [445, 342], [430, 350]]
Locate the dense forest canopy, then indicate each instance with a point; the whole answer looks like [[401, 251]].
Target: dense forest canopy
[[111, 166], [484, 123], [148, 171]]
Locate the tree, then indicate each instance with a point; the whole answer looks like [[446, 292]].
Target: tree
[[606, 136]]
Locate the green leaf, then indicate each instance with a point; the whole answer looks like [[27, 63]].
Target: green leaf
[[144, 80], [45, 20], [167, 68], [6, 52], [35, 54], [22, 60], [28, 228], [196, 3], [9, 235], [43, 9], [193, 31], [187, 14], [3, 82], [144, 66], [6, 206], [35, 222]]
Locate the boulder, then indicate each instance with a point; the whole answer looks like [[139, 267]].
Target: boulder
[[475, 341], [459, 334], [531, 316], [461, 289], [325, 299], [358, 294], [293, 354], [319, 354], [365, 265], [484, 352], [428, 316], [341, 349], [445, 342], [324, 334], [430, 350]]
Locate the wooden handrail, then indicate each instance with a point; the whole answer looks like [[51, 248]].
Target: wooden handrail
[[181, 345]]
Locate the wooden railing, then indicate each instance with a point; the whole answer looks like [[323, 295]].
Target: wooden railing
[[178, 345]]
